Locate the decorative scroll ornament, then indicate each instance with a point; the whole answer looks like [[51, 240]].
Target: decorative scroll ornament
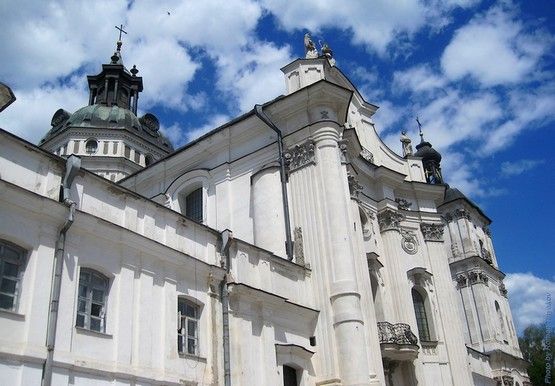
[[389, 219], [448, 218], [367, 155], [300, 156], [432, 232], [403, 204], [409, 242], [354, 187], [298, 245]]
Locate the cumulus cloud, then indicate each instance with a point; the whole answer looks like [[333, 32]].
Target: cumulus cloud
[[30, 115], [509, 169], [213, 122], [495, 48], [375, 24], [528, 298], [417, 79]]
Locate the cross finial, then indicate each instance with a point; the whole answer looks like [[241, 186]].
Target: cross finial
[[120, 28], [420, 129]]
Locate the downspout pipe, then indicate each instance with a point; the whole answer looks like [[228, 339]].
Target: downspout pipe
[[266, 119], [73, 165], [226, 238]]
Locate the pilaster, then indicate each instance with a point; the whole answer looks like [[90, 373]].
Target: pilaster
[[447, 299]]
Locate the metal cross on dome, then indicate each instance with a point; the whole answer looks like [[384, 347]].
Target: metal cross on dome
[[120, 28]]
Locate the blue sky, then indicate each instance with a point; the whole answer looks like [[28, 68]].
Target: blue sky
[[479, 74]]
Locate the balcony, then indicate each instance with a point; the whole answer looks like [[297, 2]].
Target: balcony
[[397, 341]]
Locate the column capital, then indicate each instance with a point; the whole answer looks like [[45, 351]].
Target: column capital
[[432, 231], [389, 219]]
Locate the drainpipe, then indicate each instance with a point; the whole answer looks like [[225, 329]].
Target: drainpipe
[[264, 118], [226, 238], [73, 165]]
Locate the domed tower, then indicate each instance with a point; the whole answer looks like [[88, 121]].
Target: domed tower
[[431, 159], [112, 141]]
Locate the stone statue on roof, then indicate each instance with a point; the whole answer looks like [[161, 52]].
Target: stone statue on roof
[[407, 146], [310, 48]]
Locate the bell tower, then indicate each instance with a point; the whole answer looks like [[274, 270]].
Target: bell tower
[[112, 141]]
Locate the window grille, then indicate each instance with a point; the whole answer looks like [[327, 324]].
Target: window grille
[[193, 205]]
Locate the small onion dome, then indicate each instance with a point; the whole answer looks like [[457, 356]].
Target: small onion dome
[[424, 149]]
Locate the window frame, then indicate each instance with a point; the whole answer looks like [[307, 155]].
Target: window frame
[[87, 311], [88, 149], [422, 318], [183, 322], [19, 262]]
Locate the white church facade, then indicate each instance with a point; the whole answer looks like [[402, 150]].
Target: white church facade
[[289, 246]]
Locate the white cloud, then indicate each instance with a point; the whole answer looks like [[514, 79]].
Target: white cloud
[[387, 115], [252, 76], [375, 24], [166, 68], [30, 115], [494, 48], [516, 168], [528, 298], [417, 79]]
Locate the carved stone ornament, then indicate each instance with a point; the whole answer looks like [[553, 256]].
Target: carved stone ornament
[[409, 242], [298, 245], [461, 213], [354, 187], [432, 232], [462, 281], [300, 155], [476, 277], [448, 218], [389, 219], [343, 150], [502, 289], [367, 155], [324, 114], [487, 231], [403, 204]]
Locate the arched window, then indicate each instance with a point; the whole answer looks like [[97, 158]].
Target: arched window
[[188, 315], [91, 146], [193, 205], [91, 304], [421, 316], [12, 259]]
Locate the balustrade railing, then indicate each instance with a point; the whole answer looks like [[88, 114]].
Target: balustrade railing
[[398, 333]]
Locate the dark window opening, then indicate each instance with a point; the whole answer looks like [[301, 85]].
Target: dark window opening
[[193, 205], [289, 376], [421, 317]]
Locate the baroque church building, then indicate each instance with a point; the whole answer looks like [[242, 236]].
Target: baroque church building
[[289, 246]]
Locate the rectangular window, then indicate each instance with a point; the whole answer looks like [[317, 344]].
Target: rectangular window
[[114, 148], [187, 327], [11, 263], [137, 156], [193, 205], [127, 151], [76, 147], [105, 150], [91, 303]]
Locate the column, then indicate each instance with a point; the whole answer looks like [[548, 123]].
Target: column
[[344, 295]]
